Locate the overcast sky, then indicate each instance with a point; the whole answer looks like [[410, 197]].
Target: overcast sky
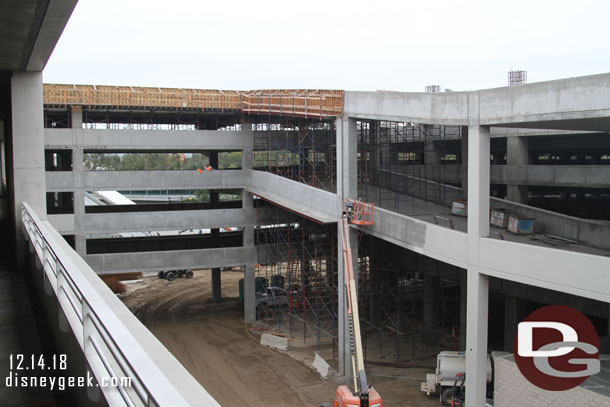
[[335, 44]]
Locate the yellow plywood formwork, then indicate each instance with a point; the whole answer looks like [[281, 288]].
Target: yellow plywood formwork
[[293, 102], [128, 96], [287, 102]]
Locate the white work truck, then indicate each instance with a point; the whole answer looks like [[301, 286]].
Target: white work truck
[[449, 364]]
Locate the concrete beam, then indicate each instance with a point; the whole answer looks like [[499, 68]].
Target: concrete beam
[[176, 259], [437, 242], [581, 103], [147, 140], [546, 296], [310, 201], [56, 17], [147, 180], [165, 220], [579, 274], [63, 223], [430, 108], [542, 133]]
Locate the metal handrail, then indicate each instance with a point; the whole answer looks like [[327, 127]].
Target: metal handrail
[[115, 344]]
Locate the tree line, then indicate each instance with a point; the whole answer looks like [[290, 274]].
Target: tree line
[[157, 161]]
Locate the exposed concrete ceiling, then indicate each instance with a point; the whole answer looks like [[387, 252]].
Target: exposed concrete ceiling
[[29, 30]]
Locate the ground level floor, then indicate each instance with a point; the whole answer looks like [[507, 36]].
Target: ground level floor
[[224, 354]]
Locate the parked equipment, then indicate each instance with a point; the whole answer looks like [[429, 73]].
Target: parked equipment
[[458, 391], [449, 365], [364, 396], [171, 275], [260, 284]]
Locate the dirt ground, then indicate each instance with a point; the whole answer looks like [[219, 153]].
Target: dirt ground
[[217, 348]]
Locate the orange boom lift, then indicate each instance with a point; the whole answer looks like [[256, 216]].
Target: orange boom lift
[[358, 213]]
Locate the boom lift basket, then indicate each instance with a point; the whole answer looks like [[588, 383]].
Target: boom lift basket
[[359, 213]]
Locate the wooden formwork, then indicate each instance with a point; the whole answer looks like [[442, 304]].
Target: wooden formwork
[[128, 96], [302, 103], [293, 102]]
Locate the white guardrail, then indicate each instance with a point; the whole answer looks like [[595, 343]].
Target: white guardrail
[[114, 342]]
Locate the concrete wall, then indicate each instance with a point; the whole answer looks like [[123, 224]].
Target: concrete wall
[[511, 389], [593, 232], [581, 103], [430, 108], [575, 101], [590, 176]]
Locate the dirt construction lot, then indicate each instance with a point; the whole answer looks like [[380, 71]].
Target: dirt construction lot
[[213, 343]]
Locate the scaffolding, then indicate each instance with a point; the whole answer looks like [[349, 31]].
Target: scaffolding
[[299, 255], [516, 77], [410, 304], [400, 163], [303, 150]]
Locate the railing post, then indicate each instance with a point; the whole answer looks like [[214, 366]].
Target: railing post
[[93, 393], [62, 320]]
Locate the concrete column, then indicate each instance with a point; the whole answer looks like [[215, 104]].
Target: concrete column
[[2, 161], [608, 319], [246, 156], [214, 159], [80, 241], [432, 155], [478, 284], [250, 251], [463, 296], [3, 202], [28, 151], [464, 165], [431, 300], [250, 255], [76, 117], [216, 287], [215, 232], [517, 154], [514, 310], [347, 187]]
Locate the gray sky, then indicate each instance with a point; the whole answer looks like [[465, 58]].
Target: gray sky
[[336, 44]]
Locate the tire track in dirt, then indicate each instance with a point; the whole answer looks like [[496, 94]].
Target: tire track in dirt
[[211, 341]]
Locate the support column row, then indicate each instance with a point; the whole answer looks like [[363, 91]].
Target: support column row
[[27, 139], [347, 187], [477, 283]]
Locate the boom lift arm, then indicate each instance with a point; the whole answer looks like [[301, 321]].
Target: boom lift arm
[[364, 396]]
